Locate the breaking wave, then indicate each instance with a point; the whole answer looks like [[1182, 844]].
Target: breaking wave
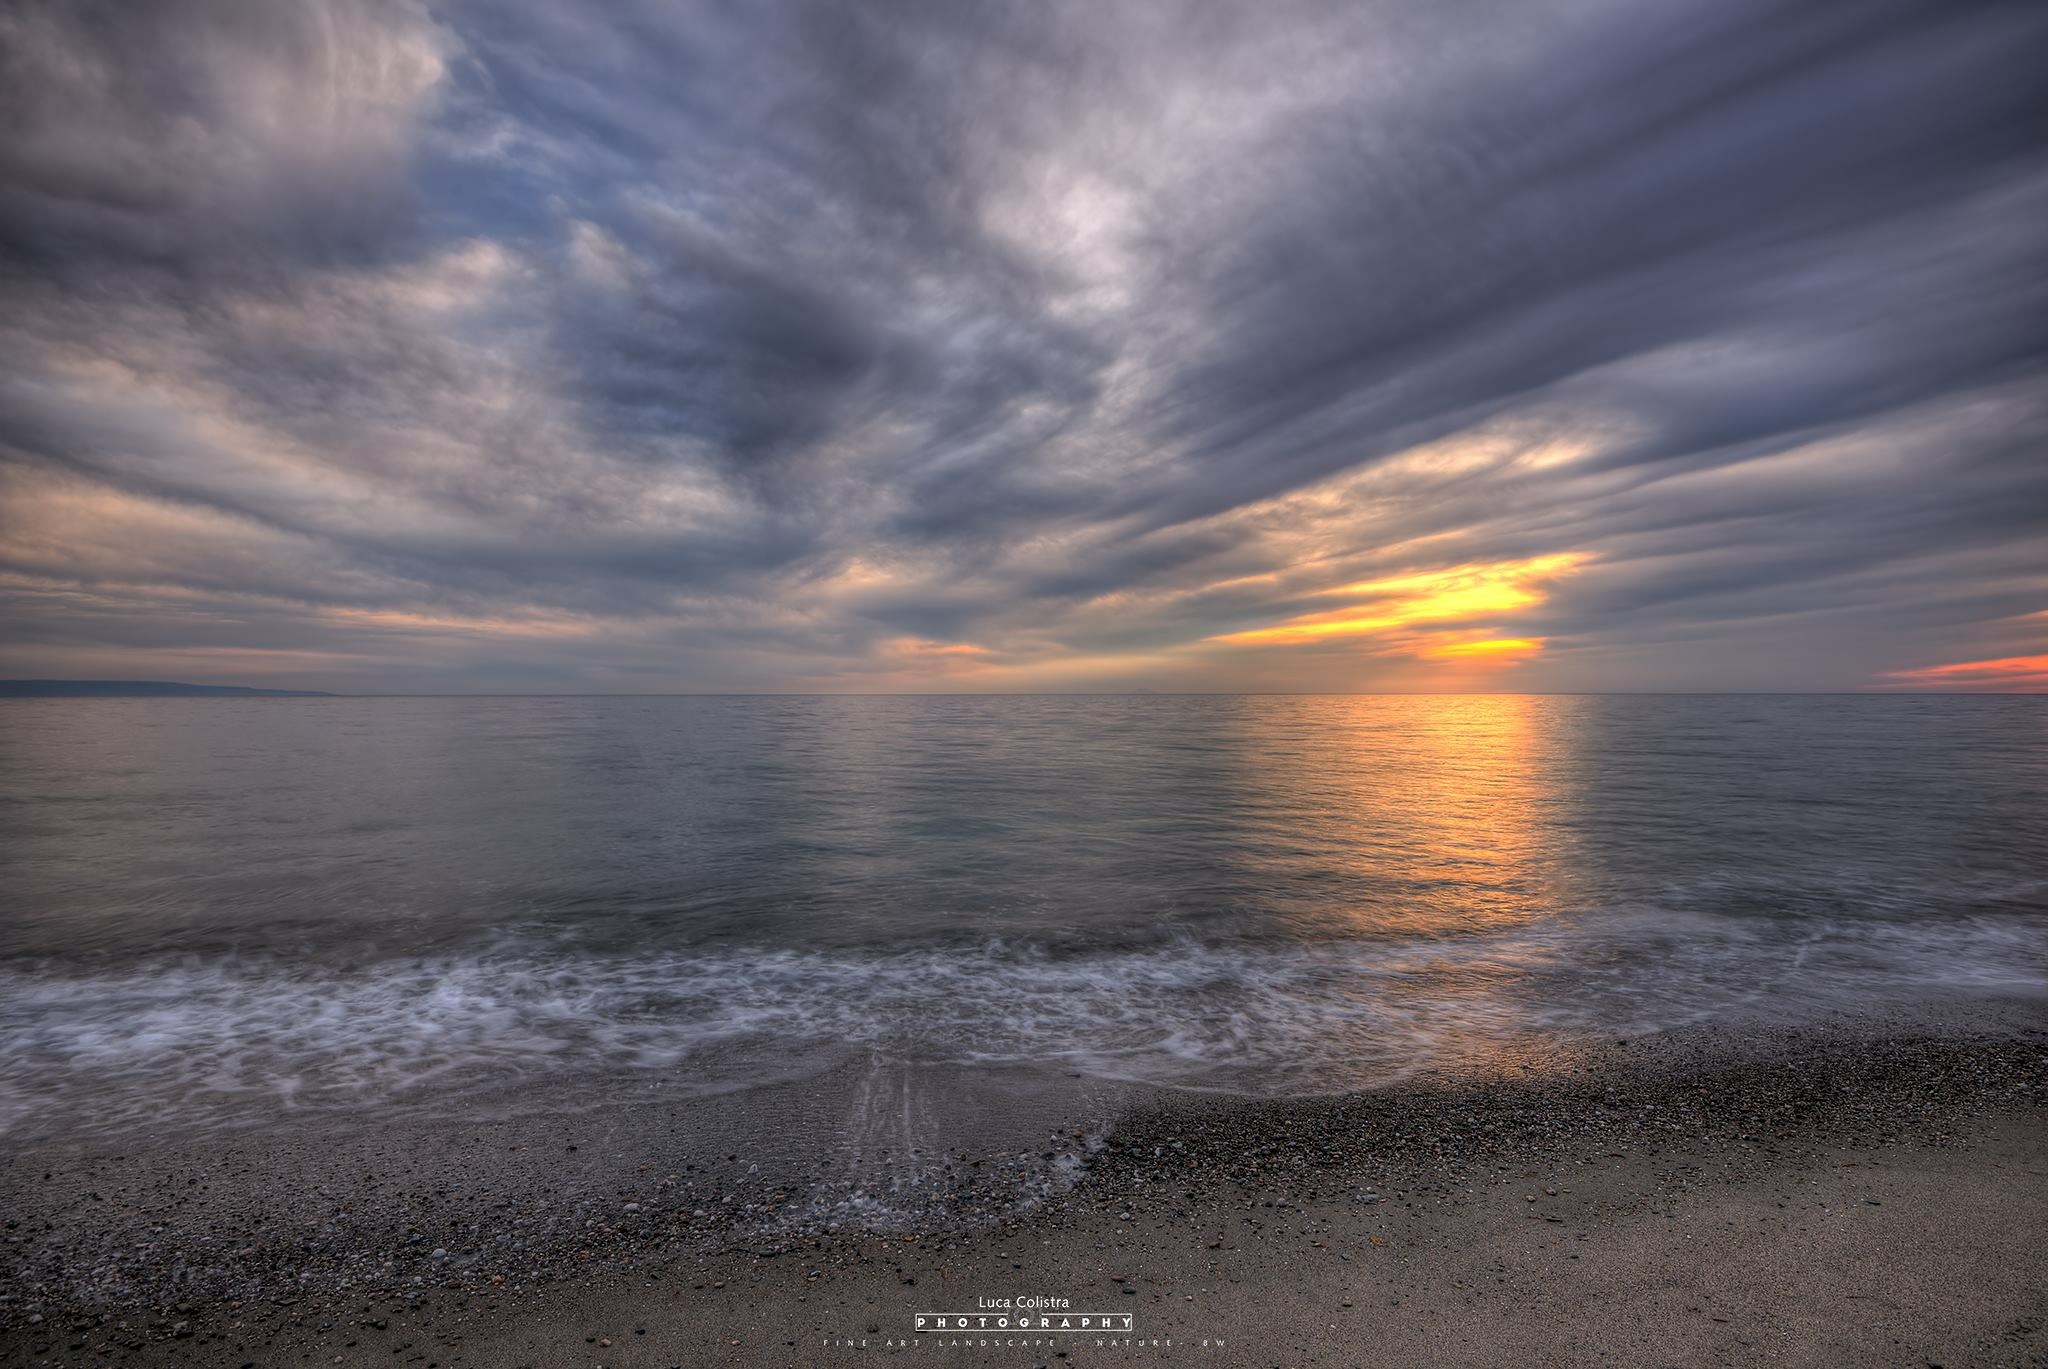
[[231, 1041]]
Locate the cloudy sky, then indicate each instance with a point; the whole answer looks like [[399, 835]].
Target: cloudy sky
[[1383, 344]]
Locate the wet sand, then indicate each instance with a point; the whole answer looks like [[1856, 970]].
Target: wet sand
[[1848, 1196]]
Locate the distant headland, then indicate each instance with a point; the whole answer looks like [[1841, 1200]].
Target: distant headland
[[144, 689]]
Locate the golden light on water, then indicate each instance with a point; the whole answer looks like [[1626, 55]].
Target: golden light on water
[[1471, 788], [1468, 787], [1474, 789]]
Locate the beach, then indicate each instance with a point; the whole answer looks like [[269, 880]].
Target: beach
[[1263, 1031], [1854, 1192]]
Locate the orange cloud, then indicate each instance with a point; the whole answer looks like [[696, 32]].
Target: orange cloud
[[1490, 648], [1487, 589], [923, 646], [2025, 674], [397, 620]]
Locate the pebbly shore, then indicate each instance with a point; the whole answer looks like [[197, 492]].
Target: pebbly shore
[[1275, 1229]]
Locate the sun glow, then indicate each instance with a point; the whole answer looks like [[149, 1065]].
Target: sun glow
[[1494, 589], [1486, 647]]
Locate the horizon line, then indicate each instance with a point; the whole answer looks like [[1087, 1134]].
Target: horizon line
[[284, 694]]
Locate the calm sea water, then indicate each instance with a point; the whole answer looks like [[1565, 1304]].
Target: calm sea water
[[220, 912]]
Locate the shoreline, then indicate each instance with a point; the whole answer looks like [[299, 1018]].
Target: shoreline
[[1712, 1161]]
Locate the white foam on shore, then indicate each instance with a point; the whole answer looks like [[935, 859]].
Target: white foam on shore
[[223, 1042]]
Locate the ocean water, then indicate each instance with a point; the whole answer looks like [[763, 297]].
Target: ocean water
[[245, 913]]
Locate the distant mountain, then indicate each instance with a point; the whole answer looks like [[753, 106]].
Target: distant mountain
[[144, 689]]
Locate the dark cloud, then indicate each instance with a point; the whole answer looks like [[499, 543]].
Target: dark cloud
[[945, 344], [209, 138]]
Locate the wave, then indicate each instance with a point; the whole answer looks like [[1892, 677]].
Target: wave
[[239, 1040]]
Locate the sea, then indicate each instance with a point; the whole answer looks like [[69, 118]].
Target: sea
[[236, 914]]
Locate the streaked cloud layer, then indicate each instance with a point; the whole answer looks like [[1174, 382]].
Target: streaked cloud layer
[[1583, 345]]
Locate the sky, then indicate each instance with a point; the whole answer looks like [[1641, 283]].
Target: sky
[[645, 347]]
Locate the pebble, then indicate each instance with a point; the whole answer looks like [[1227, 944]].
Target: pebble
[[367, 1239]]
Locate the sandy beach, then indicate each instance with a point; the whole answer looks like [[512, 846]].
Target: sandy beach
[[1845, 1195]]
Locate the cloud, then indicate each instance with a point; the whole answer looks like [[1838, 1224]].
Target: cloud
[[940, 345], [1460, 594], [2018, 673], [210, 137]]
